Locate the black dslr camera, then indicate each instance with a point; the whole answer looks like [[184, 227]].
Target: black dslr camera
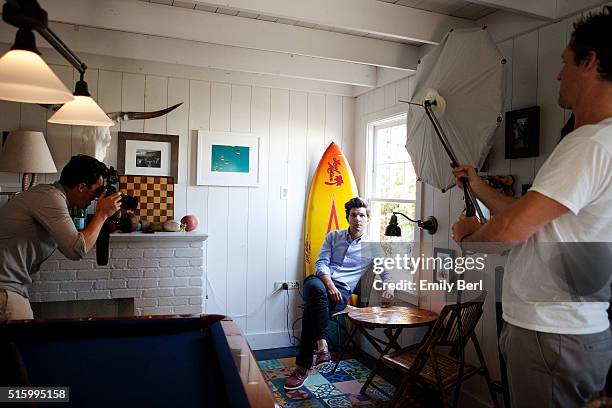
[[127, 203], [112, 179]]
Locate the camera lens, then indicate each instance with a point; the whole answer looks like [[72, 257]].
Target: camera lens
[[129, 202]]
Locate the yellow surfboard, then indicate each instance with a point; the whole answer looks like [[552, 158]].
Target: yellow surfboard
[[333, 185]]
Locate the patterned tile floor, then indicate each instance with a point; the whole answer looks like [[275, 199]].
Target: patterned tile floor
[[324, 389]]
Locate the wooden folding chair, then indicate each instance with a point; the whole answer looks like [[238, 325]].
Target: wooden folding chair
[[423, 364]]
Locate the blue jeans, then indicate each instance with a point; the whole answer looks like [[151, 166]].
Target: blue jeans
[[318, 307]]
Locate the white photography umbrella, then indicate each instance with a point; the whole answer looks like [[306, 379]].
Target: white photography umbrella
[[460, 89]]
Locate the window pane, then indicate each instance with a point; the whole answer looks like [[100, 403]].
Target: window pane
[[391, 145], [409, 188], [398, 181], [382, 173], [394, 175], [398, 136], [382, 139]]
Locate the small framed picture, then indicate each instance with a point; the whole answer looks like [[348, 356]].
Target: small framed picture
[[523, 133], [443, 266], [147, 154], [227, 159]]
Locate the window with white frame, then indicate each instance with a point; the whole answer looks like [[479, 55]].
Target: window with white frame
[[391, 182]]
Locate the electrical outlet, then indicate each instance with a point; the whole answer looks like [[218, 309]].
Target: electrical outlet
[[291, 285]]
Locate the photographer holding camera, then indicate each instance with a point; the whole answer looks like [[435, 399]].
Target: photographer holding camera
[[37, 221]]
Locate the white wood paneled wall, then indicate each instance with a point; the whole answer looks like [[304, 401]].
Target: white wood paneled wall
[[534, 60], [255, 238]]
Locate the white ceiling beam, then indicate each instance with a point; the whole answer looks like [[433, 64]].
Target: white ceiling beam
[[174, 22], [150, 48], [385, 76], [368, 16], [162, 69], [546, 9]]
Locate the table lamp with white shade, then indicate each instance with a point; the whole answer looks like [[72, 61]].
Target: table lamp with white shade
[[26, 152]]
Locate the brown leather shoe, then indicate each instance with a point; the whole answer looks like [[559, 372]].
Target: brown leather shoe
[[322, 358], [296, 379]]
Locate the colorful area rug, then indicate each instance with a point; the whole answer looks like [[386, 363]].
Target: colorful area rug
[[324, 389]]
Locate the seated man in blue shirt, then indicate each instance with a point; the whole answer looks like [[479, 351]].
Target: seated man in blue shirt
[[337, 271]]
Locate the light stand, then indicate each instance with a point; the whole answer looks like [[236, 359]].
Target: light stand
[[471, 204]]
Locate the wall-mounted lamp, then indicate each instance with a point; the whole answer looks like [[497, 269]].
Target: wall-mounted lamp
[[25, 77], [26, 152], [430, 224]]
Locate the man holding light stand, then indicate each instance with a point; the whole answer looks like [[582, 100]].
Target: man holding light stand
[[556, 339]]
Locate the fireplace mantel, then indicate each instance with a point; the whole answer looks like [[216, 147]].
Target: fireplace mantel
[[158, 236]]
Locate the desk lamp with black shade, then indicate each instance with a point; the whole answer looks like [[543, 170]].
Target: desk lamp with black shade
[[430, 224]]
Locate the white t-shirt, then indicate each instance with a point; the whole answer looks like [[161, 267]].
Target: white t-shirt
[[578, 175]]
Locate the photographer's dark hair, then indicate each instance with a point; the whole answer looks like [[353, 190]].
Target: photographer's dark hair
[[355, 202], [592, 34], [82, 169]]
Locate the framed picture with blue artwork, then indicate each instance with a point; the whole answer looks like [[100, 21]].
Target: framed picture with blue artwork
[[227, 159]]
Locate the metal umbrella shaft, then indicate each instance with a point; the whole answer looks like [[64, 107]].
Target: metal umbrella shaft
[[470, 200]]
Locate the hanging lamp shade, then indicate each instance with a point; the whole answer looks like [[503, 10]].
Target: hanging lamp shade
[[82, 111], [26, 77]]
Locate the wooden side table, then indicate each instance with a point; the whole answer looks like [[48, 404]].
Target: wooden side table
[[393, 320]]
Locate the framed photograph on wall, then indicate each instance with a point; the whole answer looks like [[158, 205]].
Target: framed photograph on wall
[[148, 154], [443, 267], [227, 159], [523, 133]]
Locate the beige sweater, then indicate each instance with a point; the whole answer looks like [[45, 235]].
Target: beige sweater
[[32, 226]]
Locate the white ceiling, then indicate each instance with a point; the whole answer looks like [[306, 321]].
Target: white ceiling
[[352, 44], [455, 8]]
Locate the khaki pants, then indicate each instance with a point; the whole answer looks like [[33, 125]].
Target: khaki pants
[[14, 306], [547, 370]]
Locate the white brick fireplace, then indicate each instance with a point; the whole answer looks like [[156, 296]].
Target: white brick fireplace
[[161, 272]]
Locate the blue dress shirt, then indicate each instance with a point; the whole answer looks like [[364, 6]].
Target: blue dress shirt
[[342, 258]]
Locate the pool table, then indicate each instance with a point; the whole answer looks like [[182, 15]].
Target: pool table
[[150, 361]]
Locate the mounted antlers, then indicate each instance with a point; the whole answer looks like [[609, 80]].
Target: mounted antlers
[[97, 139]]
